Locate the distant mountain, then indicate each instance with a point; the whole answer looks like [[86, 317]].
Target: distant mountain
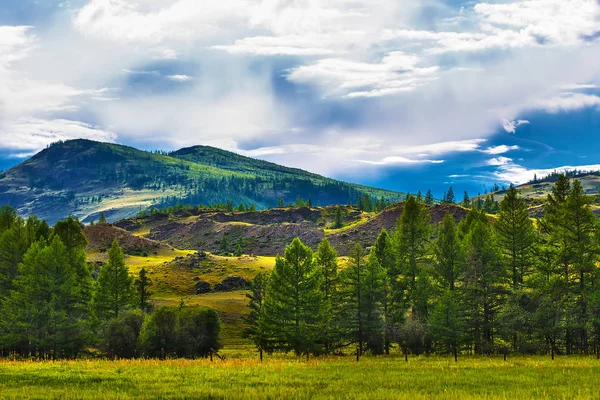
[[83, 178]]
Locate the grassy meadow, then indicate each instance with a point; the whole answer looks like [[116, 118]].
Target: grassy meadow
[[290, 378]]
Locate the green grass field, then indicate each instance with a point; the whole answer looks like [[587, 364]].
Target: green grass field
[[288, 378]]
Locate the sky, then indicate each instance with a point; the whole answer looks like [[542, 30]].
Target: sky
[[401, 94]]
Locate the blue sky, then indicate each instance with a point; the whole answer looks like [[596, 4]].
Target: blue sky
[[400, 94]]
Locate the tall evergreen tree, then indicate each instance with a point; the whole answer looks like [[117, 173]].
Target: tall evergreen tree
[[326, 259], [412, 243], [516, 236], [44, 313], [393, 311], [295, 307], [449, 254], [253, 329], [484, 282], [142, 287], [429, 197], [115, 286]]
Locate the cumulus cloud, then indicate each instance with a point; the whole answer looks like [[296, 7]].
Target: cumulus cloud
[[511, 126], [501, 149], [421, 79], [396, 72]]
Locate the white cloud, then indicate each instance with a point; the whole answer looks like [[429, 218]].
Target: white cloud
[[179, 78], [501, 149], [568, 102], [305, 45], [440, 148], [579, 86], [35, 134], [395, 160], [394, 73], [511, 126], [498, 161], [518, 174]]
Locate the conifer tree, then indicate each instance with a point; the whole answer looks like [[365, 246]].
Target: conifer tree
[[412, 244], [449, 255], [253, 329], [393, 311], [429, 197], [326, 259], [484, 282], [446, 322], [44, 314], [142, 287], [115, 286], [516, 236], [295, 307]]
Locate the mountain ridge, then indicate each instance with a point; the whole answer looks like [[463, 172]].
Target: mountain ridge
[[83, 178]]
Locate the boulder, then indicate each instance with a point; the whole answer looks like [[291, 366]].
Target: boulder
[[232, 283], [203, 287]]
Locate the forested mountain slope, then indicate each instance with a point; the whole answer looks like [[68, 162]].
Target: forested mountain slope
[[83, 178]]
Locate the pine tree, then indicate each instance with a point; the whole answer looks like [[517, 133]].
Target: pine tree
[[392, 309], [326, 260], [115, 286], [338, 219], [257, 294], [446, 322], [466, 203], [295, 307], [102, 218], [484, 281], [449, 198], [44, 313], [429, 197], [353, 304], [412, 243], [142, 285], [516, 235], [449, 255]]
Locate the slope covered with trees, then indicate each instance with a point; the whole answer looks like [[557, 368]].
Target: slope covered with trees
[[84, 178], [471, 287]]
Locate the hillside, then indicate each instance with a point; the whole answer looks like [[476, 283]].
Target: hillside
[[268, 232], [83, 178], [536, 193]]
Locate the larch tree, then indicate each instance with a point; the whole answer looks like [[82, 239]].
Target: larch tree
[[295, 307], [326, 259], [114, 292], [516, 236], [412, 244]]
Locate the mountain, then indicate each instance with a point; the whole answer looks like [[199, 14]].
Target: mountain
[[83, 178]]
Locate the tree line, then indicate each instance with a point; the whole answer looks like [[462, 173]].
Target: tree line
[[479, 286], [54, 304]]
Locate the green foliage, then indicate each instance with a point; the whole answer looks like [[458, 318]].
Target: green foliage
[[295, 307], [142, 285], [412, 245], [516, 236], [338, 221], [449, 254], [185, 332], [115, 286], [44, 313], [121, 336]]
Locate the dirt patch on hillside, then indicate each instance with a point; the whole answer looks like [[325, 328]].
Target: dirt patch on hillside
[[101, 236], [367, 232]]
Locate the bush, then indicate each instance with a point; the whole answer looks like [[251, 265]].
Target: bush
[[122, 333], [186, 332], [157, 338], [197, 332]]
